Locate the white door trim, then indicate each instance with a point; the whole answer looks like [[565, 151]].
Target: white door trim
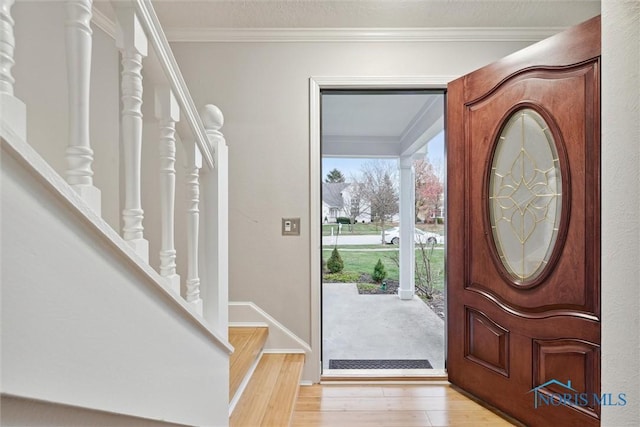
[[316, 84]]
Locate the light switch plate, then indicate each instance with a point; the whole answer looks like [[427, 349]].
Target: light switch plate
[[290, 226]]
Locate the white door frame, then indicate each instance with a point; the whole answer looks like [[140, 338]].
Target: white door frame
[[314, 367]]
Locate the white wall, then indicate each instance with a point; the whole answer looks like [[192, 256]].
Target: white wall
[[263, 91], [621, 208], [41, 83]]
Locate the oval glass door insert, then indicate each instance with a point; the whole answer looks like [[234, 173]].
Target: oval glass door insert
[[525, 195]]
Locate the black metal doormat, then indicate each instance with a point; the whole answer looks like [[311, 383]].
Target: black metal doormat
[[379, 364]]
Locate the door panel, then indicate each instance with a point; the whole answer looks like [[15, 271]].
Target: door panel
[[524, 229]]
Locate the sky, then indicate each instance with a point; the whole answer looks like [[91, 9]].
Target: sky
[[351, 167]]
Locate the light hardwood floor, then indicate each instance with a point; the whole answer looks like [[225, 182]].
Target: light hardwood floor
[[271, 394], [389, 405], [248, 343]]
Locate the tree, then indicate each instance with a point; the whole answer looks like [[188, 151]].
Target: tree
[[334, 175], [377, 187], [429, 189]]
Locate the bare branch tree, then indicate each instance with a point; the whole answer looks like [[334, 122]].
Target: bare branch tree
[[376, 191]]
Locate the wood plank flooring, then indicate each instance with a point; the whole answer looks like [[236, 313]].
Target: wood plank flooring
[[248, 343], [271, 393], [389, 406]]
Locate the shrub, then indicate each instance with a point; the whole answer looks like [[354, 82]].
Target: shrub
[[335, 263], [343, 220], [379, 273]]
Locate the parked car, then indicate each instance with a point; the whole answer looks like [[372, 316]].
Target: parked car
[[392, 236]]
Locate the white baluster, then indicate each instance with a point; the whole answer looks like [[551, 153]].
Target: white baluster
[[167, 113], [79, 153], [193, 165], [7, 46], [217, 208], [132, 43], [13, 110]]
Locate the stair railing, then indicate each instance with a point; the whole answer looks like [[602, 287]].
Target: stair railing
[[139, 34]]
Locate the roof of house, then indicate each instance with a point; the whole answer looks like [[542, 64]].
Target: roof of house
[[332, 194]]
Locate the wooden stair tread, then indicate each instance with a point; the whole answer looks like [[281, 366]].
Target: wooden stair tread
[[248, 343], [270, 396]]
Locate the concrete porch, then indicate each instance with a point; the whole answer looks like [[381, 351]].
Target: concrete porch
[[358, 326]]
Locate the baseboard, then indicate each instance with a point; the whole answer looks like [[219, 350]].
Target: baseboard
[[244, 313], [248, 325]]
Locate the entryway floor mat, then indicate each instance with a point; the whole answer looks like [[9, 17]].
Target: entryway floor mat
[[379, 364]]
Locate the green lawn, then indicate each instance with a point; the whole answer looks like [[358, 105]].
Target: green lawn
[[362, 262]]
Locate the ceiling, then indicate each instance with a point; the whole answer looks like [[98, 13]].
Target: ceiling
[[382, 115], [373, 13], [380, 124]]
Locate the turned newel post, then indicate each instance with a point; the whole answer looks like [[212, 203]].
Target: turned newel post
[[168, 113], [217, 219], [213, 120], [12, 110], [192, 169], [132, 43], [79, 153]]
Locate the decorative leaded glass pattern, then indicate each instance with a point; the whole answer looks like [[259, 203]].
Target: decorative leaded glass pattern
[[525, 192]]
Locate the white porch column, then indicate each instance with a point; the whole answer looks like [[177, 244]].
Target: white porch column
[[132, 43], [79, 154], [12, 111], [407, 224], [168, 113]]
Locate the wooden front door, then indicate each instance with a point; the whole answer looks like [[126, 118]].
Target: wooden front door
[[523, 147]]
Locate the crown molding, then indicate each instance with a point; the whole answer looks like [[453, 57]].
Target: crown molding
[[292, 35]]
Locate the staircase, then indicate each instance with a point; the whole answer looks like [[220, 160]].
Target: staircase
[[263, 387], [76, 244]]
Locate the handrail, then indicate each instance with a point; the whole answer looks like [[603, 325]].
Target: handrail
[[151, 24]]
